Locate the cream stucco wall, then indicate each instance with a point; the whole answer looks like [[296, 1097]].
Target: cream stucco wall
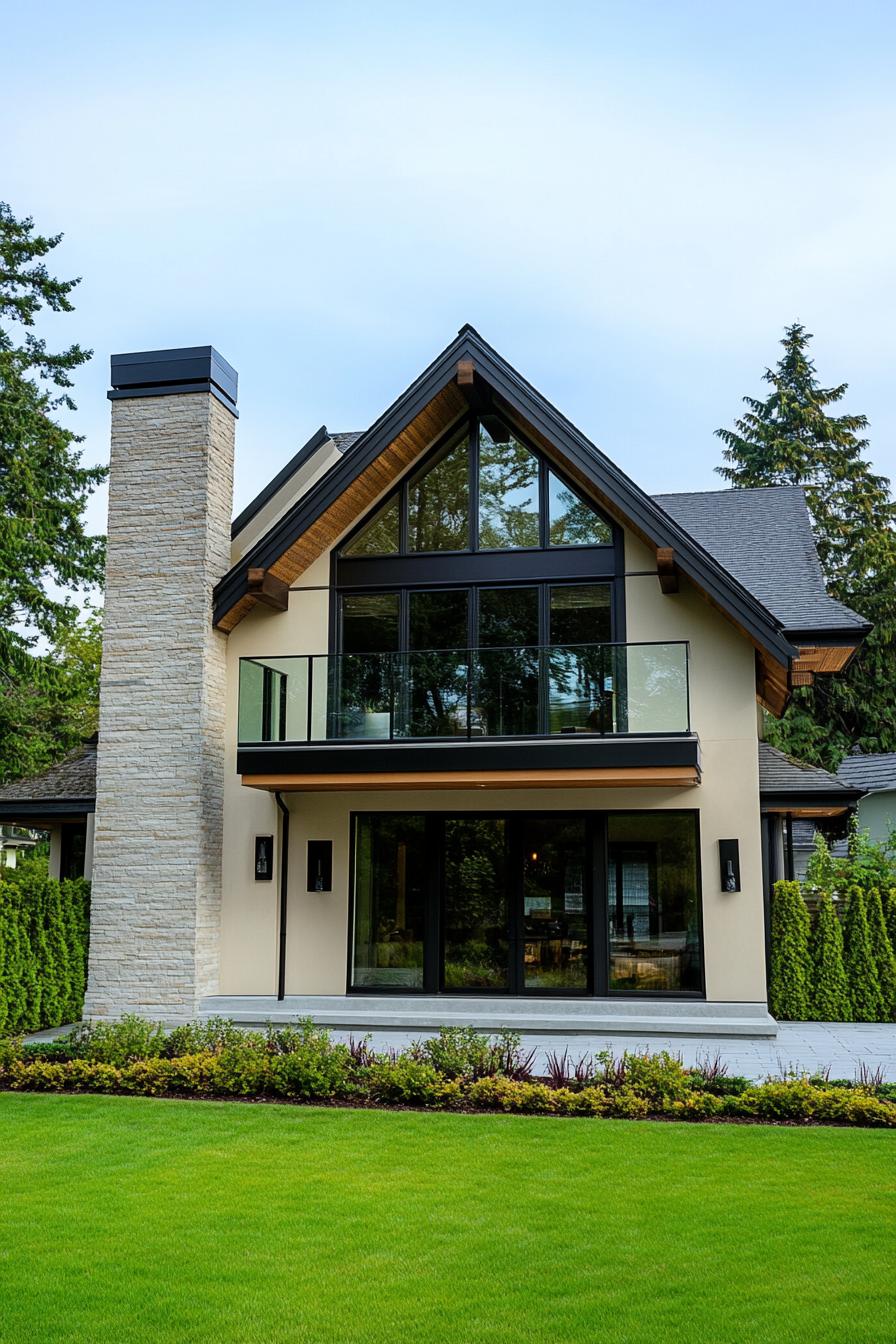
[[723, 713]]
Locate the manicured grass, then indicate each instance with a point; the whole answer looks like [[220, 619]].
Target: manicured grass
[[126, 1219]]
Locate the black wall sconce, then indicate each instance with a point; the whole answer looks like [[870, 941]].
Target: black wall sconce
[[264, 858], [729, 865], [320, 865]]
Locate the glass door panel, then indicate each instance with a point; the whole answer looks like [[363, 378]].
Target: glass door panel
[[390, 901], [505, 688], [555, 941], [653, 913], [363, 698], [437, 663], [475, 917], [580, 682]]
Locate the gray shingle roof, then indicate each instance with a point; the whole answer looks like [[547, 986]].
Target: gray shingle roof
[[73, 778], [346, 440], [764, 538], [780, 774], [873, 773]]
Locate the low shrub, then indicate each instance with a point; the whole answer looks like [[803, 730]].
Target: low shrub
[[118, 1042], [303, 1063], [405, 1081]]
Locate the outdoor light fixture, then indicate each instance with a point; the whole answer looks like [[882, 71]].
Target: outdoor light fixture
[[320, 865], [264, 858], [729, 865]]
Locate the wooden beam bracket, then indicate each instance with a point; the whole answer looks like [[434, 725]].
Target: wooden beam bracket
[[267, 588], [666, 569], [465, 370]]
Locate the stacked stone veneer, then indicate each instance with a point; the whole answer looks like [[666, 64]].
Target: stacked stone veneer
[[160, 770]]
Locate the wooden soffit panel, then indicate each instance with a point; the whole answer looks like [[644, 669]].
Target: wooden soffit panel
[[353, 503], [825, 660], [674, 776]]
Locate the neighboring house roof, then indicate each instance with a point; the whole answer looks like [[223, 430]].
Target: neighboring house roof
[[789, 784], [67, 789], [435, 394], [764, 538], [874, 773], [804, 833]]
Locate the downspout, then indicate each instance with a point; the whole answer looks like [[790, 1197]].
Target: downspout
[[284, 883]]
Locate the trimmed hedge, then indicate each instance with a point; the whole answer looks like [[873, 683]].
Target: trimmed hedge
[[789, 972], [457, 1070], [44, 933]]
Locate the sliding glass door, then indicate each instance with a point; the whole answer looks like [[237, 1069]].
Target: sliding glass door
[[521, 903]]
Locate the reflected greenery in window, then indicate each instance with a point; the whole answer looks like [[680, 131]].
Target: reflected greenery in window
[[439, 503], [653, 907], [572, 522], [512, 513], [380, 536], [390, 888], [508, 489]]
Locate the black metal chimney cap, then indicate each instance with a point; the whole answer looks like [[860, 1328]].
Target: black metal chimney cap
[[155, 373]]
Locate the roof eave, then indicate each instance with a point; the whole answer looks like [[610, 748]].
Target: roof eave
[[628, 498]]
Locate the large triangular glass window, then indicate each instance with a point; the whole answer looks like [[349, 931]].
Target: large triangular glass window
[[381, 535], [439, 503], [571, 521], [508, 489]]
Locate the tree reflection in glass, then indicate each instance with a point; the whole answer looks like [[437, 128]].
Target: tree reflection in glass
[[508, 489]]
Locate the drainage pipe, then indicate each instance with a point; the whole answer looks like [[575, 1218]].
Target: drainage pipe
[[284, 884]]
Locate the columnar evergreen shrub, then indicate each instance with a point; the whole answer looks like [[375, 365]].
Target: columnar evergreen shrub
[[890, 915], [882, 950], [789, 971], [43, 950], [829, 988], [861, 970]]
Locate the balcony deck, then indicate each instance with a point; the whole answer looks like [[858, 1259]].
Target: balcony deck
[[571, 716]]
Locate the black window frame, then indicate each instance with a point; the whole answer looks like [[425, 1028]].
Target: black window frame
[[597, 878], [450, 439]]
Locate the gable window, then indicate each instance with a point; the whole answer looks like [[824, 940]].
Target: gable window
[[483, 489]]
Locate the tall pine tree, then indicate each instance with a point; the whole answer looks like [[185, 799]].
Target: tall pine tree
[[793, 438], [44, 545]]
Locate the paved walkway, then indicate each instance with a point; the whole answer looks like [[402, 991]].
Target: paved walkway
[[840, 1048], [800, 1047]]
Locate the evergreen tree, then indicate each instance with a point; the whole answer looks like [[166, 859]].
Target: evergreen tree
[[43, 486], [882, 951], [789, 969], [47, 714], [861, 969], [890, 915], [792, 438], [829, 990]]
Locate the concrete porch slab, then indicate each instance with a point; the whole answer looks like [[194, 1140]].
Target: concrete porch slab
[[556, 1017]]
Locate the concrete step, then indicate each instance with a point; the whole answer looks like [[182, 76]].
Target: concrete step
[[556, 1016]]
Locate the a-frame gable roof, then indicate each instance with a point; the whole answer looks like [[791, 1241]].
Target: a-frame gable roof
[[380, 455]]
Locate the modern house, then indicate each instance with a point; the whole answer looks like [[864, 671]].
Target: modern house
[[452, 723], [874, 774]]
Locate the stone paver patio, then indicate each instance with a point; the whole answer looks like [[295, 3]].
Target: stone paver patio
[[799, 1047]]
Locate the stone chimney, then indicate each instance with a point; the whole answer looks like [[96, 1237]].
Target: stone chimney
[[160, 769]]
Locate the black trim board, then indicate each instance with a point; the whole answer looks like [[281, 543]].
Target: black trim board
[[592, 753], [627, 498], [59, 809], [775, 802]]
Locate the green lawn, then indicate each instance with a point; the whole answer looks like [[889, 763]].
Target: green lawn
[[129, 1220]]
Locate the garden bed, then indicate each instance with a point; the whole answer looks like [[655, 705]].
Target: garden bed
[[457, 1070]]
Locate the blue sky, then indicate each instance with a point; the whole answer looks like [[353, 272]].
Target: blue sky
[[629, 201]]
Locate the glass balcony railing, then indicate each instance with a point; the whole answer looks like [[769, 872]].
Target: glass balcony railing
[[600, 689]]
